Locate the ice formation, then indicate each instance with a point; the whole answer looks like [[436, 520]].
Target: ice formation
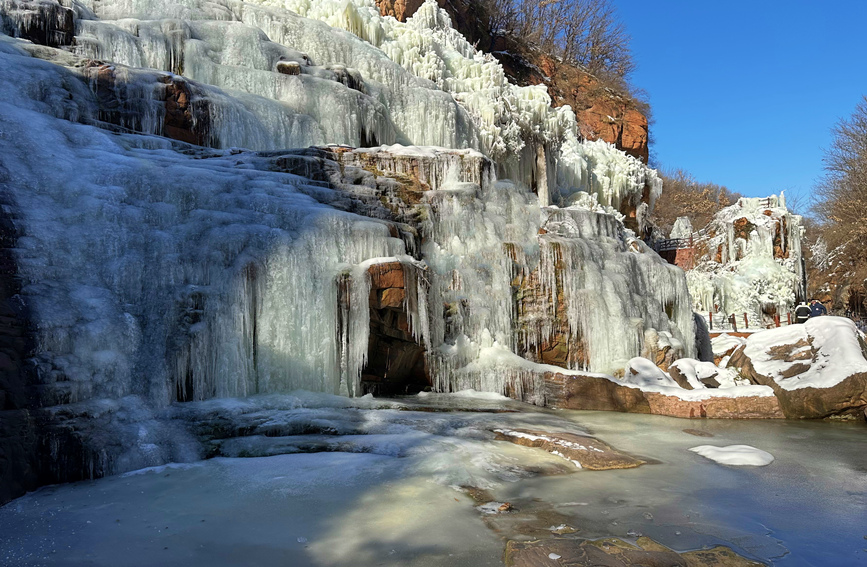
[[171, 248], [749, 261]]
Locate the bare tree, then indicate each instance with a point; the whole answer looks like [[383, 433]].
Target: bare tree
[[583, 32], [684, 196], [842, 194]]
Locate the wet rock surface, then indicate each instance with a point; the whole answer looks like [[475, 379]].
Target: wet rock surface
[[613, 552], [586, 452]]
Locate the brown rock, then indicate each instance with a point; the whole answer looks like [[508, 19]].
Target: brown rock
[[183, 121], [590, 452], [395, 359], [748, 407], [392, 297], [575, 391], [42, 22], [289, 67], [570, 391], [849, 397], [678, 377], [743, 228], [386, 275], [399, 9]]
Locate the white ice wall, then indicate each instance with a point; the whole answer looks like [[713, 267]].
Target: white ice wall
[[748, 276], [199, 273]]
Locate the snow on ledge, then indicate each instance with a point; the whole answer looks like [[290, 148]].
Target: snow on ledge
[[735, 455], [431, 152], [649, 378]]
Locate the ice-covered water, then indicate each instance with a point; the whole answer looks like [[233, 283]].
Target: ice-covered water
[[389, 495]]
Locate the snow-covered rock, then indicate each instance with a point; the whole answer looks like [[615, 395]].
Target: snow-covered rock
[[817, 369]]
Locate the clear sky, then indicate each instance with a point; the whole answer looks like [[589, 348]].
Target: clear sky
[[744, 93]]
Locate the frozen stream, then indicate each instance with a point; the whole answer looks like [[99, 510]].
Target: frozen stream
[[386, 491]]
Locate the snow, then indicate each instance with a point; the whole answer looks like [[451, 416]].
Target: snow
[[422, 83], [735, 455], [473, 394], [650, 378], [724, 342], [834, 347]]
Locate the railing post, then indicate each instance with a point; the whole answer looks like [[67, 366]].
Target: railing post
[[746, 322], [788, 318], [733, 322], [710, 320], [776, 319]]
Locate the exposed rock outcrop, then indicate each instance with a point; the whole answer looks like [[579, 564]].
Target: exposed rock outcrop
[[395, 356], [586, 392], [817, 370], [44, 22], [614, 552], [585, 451]]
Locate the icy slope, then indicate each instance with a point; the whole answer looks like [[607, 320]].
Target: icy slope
[[420, 83]]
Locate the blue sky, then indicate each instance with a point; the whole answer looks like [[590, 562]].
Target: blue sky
[[744, 94]]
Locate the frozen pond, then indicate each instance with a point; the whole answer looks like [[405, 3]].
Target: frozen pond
[[386, 491]]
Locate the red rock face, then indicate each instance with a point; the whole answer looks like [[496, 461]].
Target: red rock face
[[395, 360], [182, 122], [186, 119], [399, 9], [562, 348]]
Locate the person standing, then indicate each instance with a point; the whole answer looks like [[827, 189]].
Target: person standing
[[802, 313], [817, 309]]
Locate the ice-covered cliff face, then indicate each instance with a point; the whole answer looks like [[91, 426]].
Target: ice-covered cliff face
[[749, 260], [285, 80], [170, 271]]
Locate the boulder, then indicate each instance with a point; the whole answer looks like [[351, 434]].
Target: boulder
[[585, 451], [817, 370], [588, 392], [289, 67]]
